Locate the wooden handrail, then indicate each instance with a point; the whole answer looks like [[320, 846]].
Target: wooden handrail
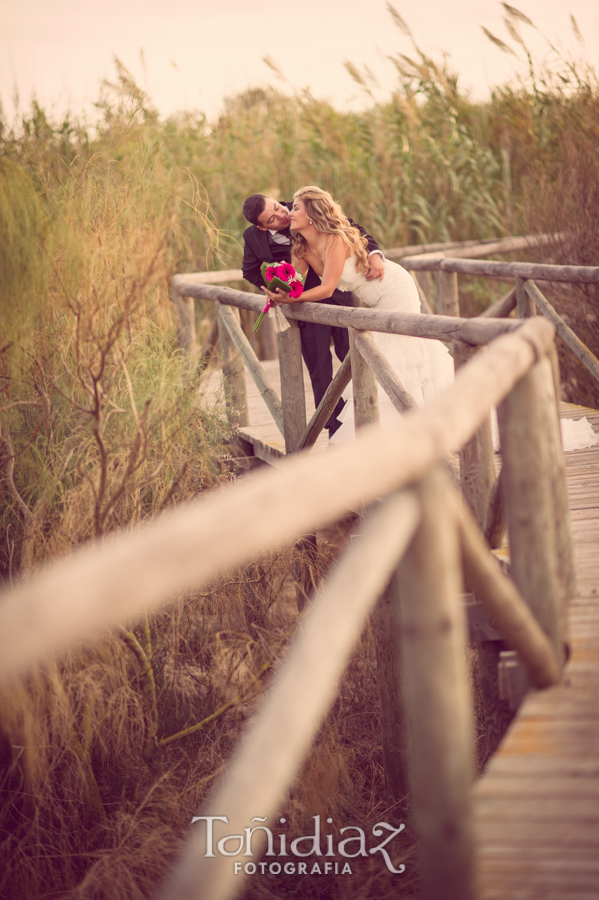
[[572, 341], [505, 270], [253, 365], [278, 737], [440, 328], [475, 248], [134, 572], [125, 576], [470, 248], [326, 406]]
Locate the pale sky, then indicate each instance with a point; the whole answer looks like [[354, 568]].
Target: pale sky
[[196, 52]]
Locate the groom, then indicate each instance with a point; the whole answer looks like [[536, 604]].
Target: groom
[[268, 240]]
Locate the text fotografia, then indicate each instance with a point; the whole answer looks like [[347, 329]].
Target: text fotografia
[[353, 843]]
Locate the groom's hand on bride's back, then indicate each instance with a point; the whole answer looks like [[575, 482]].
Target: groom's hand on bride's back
[[376, 267]]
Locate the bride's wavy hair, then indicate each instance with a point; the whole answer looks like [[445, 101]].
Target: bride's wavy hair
[[327, 216]]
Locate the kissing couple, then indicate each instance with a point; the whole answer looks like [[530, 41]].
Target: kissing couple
[[336, 256]]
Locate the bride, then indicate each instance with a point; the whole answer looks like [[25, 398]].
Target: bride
[[323, 239]]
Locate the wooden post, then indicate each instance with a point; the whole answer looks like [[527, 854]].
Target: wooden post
[[386, 630], [564, 550], [252, 363], [293, 396], [494, 527], [526, 307], [233, 376], [477, 482], [476, 456], [382, 370], [383, 619], [185, 321], [436, 691], [571, 340], [425, 281], [366, 400], [293, 400], [210, 346], [448, 302], [529, 442], [326, 405], [502, 601], [281, 733]]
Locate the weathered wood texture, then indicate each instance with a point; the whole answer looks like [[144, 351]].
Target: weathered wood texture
[[366, 413], [327, 405], [501, 270], [366, 401], [529, 431], [448, 300], [495, 524], [437, 698], [477, 480], [511, 616], [185, 322], [502, 307], [476, 456], [292, 386], [424, 284], [233, 375], [526, 307], [386, 629], [134, 572], [444, 328], [383, 371], [473, 247], [253, 366], [281, 733], [536, 806], [572, 340], [210, 345]]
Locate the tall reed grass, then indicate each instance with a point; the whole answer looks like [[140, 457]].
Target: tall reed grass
[[106, 754]]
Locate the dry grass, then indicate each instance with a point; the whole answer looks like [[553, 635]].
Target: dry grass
[[106, 755]]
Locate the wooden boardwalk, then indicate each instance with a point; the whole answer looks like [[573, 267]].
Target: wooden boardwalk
[[262, 432], [537, 806]]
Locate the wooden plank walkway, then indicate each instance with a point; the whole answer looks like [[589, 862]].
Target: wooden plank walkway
[[262, 432], [537, 805]]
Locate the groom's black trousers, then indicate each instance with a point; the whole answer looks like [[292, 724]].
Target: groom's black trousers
[[316, 342]]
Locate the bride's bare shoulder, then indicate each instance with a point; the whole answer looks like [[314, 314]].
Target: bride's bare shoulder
[[336, 247]]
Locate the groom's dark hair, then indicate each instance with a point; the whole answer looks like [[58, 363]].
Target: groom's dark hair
[[254, 207]]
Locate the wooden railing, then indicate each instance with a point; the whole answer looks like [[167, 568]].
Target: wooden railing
[[418, 542]]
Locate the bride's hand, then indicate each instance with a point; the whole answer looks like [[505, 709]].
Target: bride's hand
[[277, 297]]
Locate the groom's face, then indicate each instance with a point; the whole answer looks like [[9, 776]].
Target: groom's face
[[274, 217]]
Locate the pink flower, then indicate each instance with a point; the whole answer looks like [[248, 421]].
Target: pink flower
[[270, 273], [297, 288], [286, 271]]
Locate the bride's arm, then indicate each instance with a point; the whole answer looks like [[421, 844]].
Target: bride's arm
[[333, 267]]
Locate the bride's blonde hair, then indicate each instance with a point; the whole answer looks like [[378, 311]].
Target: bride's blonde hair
[[328, 217]]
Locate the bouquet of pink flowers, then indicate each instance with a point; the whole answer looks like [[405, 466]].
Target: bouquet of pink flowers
[[283, 276]]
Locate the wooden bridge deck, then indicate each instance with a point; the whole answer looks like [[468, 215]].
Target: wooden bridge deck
[[262, 432], [537, 806]]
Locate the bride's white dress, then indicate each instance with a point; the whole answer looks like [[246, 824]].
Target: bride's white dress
[[424, 367]]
